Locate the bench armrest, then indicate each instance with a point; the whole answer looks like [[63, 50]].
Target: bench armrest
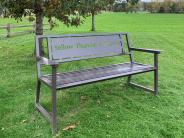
[[46, 61], [146, 50]]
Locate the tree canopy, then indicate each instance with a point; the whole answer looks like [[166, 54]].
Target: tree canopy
[[67, 11], [70, 12], [133, 2]]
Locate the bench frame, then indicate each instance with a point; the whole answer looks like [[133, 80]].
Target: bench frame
[[41, 60]]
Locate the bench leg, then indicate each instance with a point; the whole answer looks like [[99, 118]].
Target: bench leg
[[41, 109], [54, 111], [38, 86], [54, 121], [154, 90], [155, 81], [156, 74], [129, 79], [51, 117]]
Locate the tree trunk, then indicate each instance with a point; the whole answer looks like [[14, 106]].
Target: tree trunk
[[39, 31], [93, 21], [39, 23]]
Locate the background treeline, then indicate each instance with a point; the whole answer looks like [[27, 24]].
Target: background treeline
[[167, 6]]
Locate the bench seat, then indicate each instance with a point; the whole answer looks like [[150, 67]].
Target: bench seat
[[76, 78]]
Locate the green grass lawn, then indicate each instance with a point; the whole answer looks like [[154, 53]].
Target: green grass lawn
[[110, 109]]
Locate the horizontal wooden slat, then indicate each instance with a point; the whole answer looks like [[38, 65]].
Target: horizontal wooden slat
[[3, 27], [24, 26]]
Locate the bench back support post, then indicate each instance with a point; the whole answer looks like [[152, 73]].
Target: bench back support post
[[37, 48], [129, 47]]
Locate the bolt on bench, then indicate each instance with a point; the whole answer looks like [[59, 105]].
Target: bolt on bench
[[67, 48]]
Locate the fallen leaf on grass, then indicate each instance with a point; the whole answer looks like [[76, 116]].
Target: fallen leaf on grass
[[69, 127]]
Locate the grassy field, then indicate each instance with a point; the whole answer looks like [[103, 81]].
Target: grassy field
[[110, 109]]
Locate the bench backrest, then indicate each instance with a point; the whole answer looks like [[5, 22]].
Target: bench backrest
[[65, 48]]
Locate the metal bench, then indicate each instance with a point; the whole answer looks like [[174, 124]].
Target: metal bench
[[67, 48]]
